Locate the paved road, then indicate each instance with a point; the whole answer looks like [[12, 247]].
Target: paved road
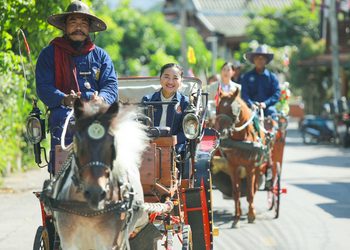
[[19, 210], [315, 213]]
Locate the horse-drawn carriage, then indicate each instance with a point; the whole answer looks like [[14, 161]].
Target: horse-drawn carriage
[[166, 203], [250, 153]]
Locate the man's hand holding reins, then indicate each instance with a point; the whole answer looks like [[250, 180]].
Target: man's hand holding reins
[[258, 105], [68, 100], [96, 98]]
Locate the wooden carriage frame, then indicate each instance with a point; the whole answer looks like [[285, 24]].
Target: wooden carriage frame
[[159, 175], [192, 215]]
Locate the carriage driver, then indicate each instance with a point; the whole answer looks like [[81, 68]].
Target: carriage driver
[[260, 89], [71, 67], [260, 86]]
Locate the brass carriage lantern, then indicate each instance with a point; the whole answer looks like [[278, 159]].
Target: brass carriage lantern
[[35, 128], [191, 126]]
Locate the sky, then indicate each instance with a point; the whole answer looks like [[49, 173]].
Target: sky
[[139, 4]]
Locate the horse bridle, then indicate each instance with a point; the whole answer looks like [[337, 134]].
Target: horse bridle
[[233, 116], [125, 190]]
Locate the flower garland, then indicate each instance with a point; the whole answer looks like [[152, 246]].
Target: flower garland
[[283, 105]]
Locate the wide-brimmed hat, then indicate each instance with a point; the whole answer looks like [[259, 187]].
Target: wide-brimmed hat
[[260, 51], [77, 7]]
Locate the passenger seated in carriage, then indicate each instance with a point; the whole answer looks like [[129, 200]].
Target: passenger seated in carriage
[[170, 115], [71, 67], [224, 87]]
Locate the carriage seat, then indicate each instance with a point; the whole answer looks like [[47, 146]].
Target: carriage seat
[[155, 132], [158, 169]]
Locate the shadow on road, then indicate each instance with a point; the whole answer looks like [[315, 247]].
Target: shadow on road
[[328, 161], [336, 191], [222, 217]]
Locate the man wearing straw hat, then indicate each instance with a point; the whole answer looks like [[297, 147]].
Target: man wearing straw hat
[[260, 87], [71, 67]]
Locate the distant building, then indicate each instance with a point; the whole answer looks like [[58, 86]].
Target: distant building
[[222, 23]]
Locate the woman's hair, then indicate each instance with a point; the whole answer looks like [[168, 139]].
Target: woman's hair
[[171, 65], [228, 64]]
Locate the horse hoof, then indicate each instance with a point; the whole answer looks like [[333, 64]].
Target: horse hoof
[[236, 224], [251, 219]]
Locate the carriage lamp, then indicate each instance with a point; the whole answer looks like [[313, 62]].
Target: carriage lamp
[[190, 126], [34, 133], [35, 128], [35, 125]]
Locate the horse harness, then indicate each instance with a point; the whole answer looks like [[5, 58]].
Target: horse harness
[[122, 208]]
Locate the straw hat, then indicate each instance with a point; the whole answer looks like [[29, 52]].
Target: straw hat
[[77, 7], [260, 51]]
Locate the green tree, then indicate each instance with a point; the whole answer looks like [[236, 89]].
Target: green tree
[[16, 74], [284, 27], [294, 29], [137, 40], [133, 40]]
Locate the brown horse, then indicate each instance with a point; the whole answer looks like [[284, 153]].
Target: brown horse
[[246, 148], [99, 185]]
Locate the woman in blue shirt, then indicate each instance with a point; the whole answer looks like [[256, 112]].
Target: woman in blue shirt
[[170, 115]]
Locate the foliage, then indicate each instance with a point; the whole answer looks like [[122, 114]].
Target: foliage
[[15, 89], [136, 40], [293, 33], [203, 56], [285, 27]]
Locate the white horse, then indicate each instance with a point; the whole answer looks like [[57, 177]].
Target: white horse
[[98, 191]]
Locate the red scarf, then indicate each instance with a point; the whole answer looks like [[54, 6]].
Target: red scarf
[[65, 69]]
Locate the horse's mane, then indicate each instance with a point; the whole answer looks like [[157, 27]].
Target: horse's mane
[[245, 114], [130, 140], [245, 110]]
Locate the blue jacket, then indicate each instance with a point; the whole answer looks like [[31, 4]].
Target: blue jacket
[[175, 114], [102, 78], [262, 87]]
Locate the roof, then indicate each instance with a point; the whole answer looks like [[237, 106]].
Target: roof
[[230, 17]]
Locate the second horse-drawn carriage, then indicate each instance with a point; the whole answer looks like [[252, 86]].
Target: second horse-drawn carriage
[[99, 190], [250, 153]]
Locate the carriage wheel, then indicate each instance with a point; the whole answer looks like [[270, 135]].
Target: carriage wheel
[[41, 240], [275, 193], [271, 199], [187, 238], [273, 196]]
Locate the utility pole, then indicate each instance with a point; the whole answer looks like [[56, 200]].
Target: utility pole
[[333, 22], [183, 23]]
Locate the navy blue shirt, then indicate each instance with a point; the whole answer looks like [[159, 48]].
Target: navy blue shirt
[[262, 87], [175, 113], [96, 68]]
